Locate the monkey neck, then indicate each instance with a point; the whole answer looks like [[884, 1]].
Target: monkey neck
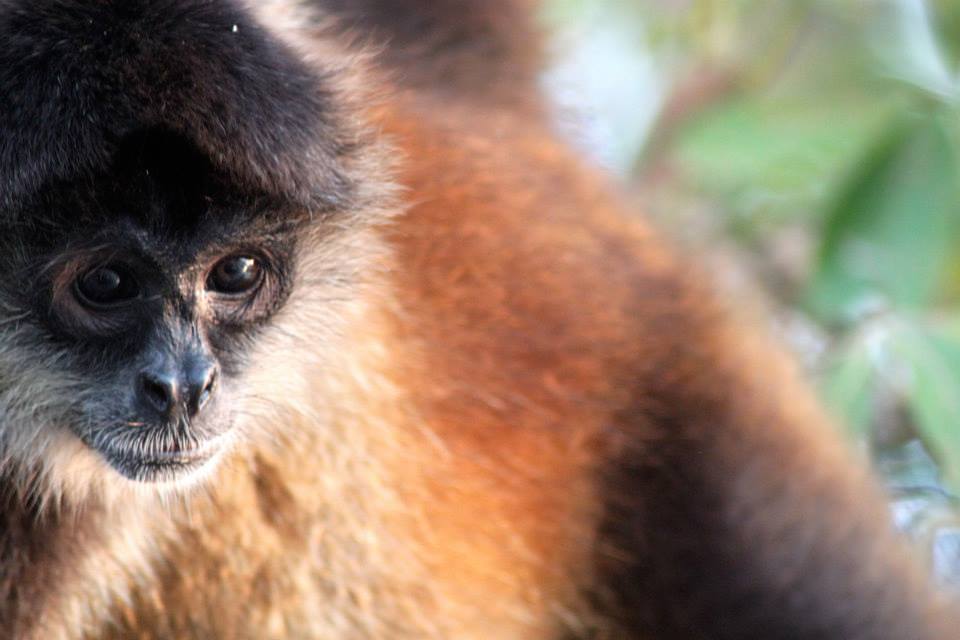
[[51, 557], [37, 551]]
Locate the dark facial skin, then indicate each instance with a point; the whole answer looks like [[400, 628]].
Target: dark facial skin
[[155, 278]]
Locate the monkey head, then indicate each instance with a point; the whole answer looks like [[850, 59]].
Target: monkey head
[[163, 179], [149, 281]]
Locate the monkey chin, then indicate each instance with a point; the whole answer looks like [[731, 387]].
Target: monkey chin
[[74, 472]]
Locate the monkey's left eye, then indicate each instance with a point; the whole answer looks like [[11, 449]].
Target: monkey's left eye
[[107, 285], [235, 274]]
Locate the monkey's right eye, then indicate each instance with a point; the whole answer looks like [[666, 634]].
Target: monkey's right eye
[[105, 286], [235, 274]]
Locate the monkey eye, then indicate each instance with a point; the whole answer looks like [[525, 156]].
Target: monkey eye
[[107, 285], [235, 274]]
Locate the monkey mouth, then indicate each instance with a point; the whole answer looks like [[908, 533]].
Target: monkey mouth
[[175, 459], [157, 453], [160, 466], [157, 468], [152, 462]]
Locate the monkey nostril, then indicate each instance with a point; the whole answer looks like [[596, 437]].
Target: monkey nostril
[[159, 393], [202, 392], [207, 390]]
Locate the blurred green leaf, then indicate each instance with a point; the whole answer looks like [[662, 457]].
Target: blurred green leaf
[[947, 14], [908, 48], [934, 363], [778, 157], [948, 325], [893, 229], [849, 386]]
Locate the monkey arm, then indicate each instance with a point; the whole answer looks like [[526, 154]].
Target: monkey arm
[[742, 516]]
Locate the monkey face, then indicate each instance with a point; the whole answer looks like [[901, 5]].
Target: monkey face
[[152, 296]]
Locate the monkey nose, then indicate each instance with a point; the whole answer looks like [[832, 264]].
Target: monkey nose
[[168, 394]]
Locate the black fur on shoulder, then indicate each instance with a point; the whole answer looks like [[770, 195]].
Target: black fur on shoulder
[[77, 76], [485, 49]]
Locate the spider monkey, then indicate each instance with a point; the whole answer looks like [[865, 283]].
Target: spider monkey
[[310, 327]]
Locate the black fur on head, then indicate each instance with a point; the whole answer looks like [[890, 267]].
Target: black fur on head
[[78, 76]]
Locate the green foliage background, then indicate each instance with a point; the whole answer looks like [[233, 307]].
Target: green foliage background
[[827, 131]]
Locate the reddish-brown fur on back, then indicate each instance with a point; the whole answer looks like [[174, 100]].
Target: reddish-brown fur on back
[[578, 359]]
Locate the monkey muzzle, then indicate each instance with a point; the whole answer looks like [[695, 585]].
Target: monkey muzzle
[[174, 423]]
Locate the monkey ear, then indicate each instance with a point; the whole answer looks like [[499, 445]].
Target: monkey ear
[[76, 77]]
